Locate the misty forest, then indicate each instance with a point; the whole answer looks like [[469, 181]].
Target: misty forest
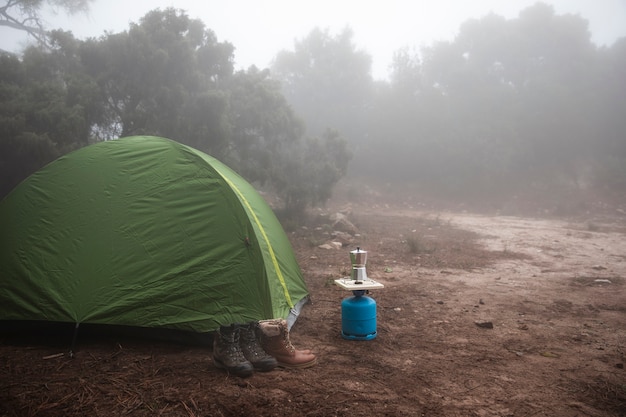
[[486, 175], [510, 107]]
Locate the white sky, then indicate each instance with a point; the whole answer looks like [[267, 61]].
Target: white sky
[[259, 29]]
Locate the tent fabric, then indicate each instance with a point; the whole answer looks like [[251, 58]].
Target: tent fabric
[[144, 231]]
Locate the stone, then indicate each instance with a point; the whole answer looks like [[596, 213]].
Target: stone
[[337, 245], [484, 324], [342, 224]]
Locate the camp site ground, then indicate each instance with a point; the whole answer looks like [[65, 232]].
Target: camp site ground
[[552, 288]]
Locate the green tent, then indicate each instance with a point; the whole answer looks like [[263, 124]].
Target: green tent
[[143, 231]]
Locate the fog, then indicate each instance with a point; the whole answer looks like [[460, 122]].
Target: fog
[[489, 104], [260, 29]]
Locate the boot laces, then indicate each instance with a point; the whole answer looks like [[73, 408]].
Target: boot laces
[[249, 343], [287, 342], [232, 347]]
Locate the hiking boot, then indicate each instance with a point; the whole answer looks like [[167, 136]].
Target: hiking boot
[[227, 352], [252, 350], [274, 336]]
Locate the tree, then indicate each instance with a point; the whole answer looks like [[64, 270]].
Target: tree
[[307, 171], [262, 124], [166, 76], [162, 77], [505, 104], [268, 145], [48, 107], [609, 149], [25, 15], [328, 82]]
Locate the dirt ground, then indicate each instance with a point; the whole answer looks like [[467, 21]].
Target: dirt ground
[[481, 315]]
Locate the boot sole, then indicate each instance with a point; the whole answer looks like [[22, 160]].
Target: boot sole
[[264, 368], [299, 365]]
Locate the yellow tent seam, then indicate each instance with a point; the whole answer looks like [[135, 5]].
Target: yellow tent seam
[[281, 278]]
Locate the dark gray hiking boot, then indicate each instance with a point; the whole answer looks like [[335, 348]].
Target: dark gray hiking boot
[[252, 350], [227, 352]]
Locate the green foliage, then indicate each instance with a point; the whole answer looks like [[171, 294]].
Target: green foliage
[[307, 172], [508, 105], [161, 77], [167, 76], [46, 110], [262, 125], [327, 81]]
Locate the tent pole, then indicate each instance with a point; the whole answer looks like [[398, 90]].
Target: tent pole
[[71, 353]]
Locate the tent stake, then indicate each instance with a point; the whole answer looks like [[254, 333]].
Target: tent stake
[[71, 353]]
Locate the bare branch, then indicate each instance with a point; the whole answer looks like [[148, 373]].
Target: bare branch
[[24, 15]]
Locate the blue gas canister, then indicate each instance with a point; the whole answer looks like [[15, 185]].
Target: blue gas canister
[[358, 317]]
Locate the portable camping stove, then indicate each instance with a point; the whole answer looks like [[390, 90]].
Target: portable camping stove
[[358, 313]]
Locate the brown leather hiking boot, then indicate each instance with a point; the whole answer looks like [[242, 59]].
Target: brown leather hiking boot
[[227, 352], [252, 350], [274, 336]]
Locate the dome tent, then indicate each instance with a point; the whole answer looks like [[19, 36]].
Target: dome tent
[[144, 232]]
